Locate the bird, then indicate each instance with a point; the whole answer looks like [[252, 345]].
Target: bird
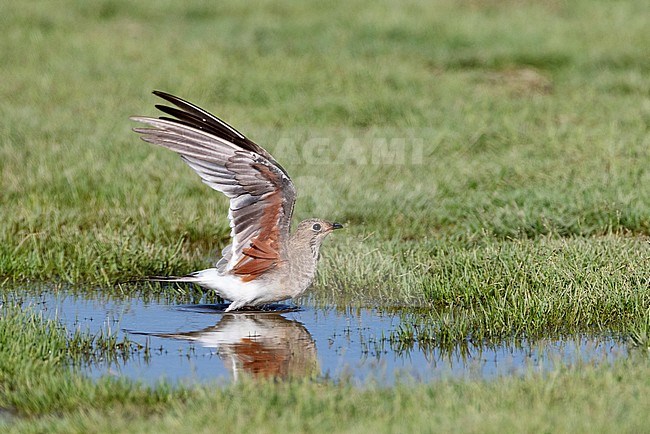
[[265, 262]]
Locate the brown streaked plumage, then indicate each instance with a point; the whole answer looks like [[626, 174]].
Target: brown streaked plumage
[[265, 262]]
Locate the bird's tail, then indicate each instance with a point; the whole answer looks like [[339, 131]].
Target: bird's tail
[[196, 277], [189, 278]]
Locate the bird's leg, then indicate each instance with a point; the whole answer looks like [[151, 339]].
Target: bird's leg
[[235, 305]]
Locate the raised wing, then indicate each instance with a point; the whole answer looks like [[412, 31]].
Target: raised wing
[[260, 191]]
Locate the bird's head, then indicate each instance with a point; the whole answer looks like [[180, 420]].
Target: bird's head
[[315, 230]]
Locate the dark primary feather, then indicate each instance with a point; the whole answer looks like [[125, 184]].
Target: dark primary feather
[[196, 117], [261, 193]]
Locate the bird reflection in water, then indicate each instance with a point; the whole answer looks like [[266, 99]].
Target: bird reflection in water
[[259, 345]]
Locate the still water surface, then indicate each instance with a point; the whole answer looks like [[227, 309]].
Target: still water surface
[[198, 344]]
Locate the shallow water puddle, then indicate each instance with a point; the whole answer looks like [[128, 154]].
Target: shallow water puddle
[[199, 343]]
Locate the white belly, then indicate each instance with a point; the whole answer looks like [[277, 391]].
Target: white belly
[[241, 293]]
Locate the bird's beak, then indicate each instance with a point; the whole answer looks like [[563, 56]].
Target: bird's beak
[[337, 226]]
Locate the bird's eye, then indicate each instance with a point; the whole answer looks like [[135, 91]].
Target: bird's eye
[[316, 227]]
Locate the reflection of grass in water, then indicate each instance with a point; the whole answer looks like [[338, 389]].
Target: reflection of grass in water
[[433, 340], [640, 333], [76, 347]]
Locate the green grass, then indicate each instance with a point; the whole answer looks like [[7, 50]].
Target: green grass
[[518, 206]]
